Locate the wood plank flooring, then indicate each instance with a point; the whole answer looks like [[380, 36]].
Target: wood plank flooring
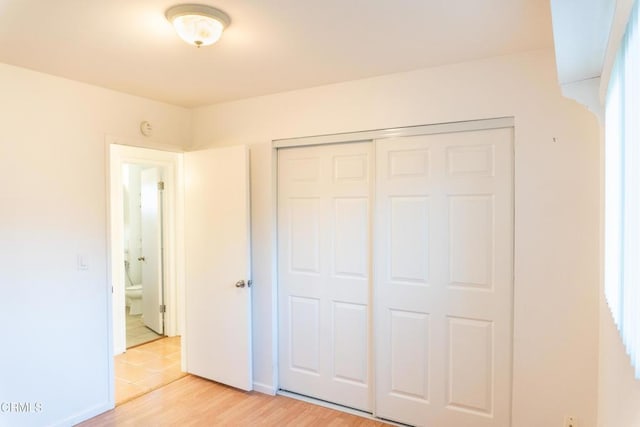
[[193, 401]]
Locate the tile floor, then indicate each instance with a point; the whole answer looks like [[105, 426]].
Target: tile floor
[[147, 367], [137, 332]]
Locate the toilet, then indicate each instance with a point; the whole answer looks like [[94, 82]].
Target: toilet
[[133, 296]]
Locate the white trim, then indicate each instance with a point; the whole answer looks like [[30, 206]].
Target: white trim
[[373, 203], [121, 151], [110, 326], [264, 389], [275, 313], [142, 143], [115, 258], [369, 135], [84, 415]]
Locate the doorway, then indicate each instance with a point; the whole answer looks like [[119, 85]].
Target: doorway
[[204, 243], [145, 213], [143, 188], [147, 302]]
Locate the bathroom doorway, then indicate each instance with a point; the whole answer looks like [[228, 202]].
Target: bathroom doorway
[[143, 188], [145, 210], [213, 241]]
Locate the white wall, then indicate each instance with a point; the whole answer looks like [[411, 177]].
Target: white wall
[[52, 209], [52, 156], [556, 202]]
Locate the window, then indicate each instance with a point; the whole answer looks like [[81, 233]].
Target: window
[[622, 192]]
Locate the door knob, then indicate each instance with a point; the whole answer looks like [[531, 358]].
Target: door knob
[[141, 258], [240, 284]]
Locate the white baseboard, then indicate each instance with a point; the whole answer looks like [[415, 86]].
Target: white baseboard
[[264, 388], [85, 415]]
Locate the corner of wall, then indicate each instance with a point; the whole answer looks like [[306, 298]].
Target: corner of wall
[[587, 93]]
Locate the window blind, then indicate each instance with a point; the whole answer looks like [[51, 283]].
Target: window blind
[[622, 192]]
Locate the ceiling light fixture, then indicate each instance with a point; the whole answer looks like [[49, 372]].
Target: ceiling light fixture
[[198, 24]]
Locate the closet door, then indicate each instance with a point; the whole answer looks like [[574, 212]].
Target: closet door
[[443, 286], [323, 268]]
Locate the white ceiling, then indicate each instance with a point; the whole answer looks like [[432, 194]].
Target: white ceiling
[[271, 45]]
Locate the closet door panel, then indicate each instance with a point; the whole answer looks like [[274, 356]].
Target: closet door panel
[[443, 278], [323, 272]]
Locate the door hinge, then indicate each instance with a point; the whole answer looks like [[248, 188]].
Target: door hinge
[[249, 283], [163, 308], [161, 186]]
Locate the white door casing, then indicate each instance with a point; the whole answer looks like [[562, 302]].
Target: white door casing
[[151, 229], [171, 164], [218, 313], [324, 272], [444, 278]]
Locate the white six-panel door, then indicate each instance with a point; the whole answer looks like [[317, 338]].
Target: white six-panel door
[[324, 279], [443, 288]]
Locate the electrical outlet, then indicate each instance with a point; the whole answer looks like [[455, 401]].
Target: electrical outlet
[[571, 421]]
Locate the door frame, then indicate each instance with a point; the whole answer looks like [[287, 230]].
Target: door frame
[[118, 152]]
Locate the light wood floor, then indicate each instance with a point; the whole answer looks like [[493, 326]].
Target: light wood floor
[[193, 401]]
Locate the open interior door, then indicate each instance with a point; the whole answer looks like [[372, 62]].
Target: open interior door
[[151, 229], [217, 264]]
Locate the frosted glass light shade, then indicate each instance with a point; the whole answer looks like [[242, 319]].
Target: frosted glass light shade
[[198, 25]]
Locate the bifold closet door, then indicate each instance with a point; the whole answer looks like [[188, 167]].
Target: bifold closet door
[[323, 266], [443, 278]]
